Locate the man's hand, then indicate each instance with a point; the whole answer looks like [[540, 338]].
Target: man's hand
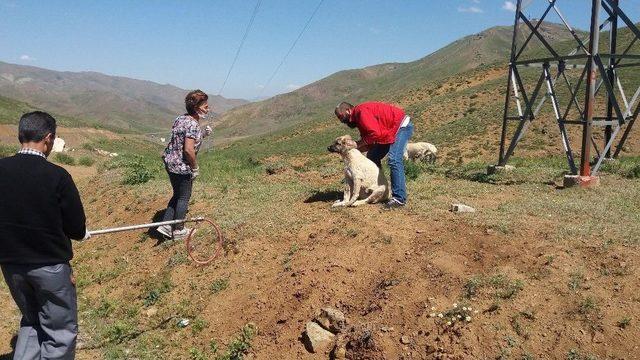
[[362, 146], [195, 172], [207, 131]]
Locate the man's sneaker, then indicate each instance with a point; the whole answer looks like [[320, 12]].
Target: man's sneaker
[[393, 204], [180, 234], [165, 230]]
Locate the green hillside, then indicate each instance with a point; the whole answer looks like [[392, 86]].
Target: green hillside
[[383, 82], [11, 110]]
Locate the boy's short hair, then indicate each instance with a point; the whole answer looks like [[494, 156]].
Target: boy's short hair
[[35, 125]]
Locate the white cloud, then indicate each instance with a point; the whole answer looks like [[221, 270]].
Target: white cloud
[[27, 58], [470, 9], [260, 86], [292, 87], [509, 6]]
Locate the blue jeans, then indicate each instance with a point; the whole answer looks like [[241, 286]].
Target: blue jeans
[[395, 160]]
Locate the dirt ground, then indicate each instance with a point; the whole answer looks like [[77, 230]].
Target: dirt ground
[[387, 271]]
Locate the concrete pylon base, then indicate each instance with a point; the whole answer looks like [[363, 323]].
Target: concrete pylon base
[[582, 181], [495, 169]]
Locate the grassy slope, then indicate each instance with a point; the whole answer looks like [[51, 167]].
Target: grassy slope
[[385, 82], [288, 254]]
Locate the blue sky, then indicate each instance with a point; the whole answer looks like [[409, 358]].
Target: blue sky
[[191, 44]]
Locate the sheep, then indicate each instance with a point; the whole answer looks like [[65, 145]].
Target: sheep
[[421, 151]]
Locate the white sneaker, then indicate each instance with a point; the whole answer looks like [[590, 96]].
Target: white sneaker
[[181, 234], [164, 230]]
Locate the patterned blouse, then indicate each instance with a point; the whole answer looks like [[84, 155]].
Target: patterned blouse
[[183, 127]]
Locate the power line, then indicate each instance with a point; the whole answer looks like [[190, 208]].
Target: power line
[[244, 37], [306, 25]]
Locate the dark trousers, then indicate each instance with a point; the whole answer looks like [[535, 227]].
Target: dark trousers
[[179, 203], [47, 299]]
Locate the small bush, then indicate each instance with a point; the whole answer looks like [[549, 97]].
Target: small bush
[[504, 287], [137, 175], [156, 287], [6, 151], [633, 173], [195, 354], [576, 280], [276, 168], [624, 323], [118, 331], [137, 170], [64, 159], [240, 345], [587, 305], [198, 325], [219, 285], [86, 161], [412, 170]]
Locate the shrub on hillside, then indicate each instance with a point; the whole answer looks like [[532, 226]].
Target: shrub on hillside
[[6, 151], [86, 161], [634, 172], [137, 175], [412, 170], [136, 170], [64, 159], [276, 168]]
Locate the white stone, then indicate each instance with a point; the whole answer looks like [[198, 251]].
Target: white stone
[[462, 208], [58, 145], [316, 339]]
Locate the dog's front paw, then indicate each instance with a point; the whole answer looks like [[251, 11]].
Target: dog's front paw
[[338, 203]]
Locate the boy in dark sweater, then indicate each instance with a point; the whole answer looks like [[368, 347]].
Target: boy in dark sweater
[[40, 212]]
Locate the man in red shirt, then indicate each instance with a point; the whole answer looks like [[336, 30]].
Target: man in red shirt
[[384, 129]]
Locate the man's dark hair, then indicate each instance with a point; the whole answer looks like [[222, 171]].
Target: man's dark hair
[[342, 107], [193, 100], [34, 126]]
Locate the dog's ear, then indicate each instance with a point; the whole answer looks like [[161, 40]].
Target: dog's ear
[[350, 142]]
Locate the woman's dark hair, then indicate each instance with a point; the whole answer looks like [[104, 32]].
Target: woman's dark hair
[[193, 100], [34, 126]]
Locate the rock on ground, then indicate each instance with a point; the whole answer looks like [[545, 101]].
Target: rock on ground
[[316, 339], [331, 319]]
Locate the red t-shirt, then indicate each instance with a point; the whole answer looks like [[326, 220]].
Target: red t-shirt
[[377, 122]]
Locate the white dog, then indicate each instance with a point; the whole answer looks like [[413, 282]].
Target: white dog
[[363, 178], [420, 151]]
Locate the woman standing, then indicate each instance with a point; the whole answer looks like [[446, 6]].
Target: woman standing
[[180, 160]]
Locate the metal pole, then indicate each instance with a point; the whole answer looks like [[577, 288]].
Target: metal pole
[[143, 226], [594, 37], [613, 35], [512, 60]]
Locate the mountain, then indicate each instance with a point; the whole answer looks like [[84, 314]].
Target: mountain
[[110, 101], [381, 82]]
